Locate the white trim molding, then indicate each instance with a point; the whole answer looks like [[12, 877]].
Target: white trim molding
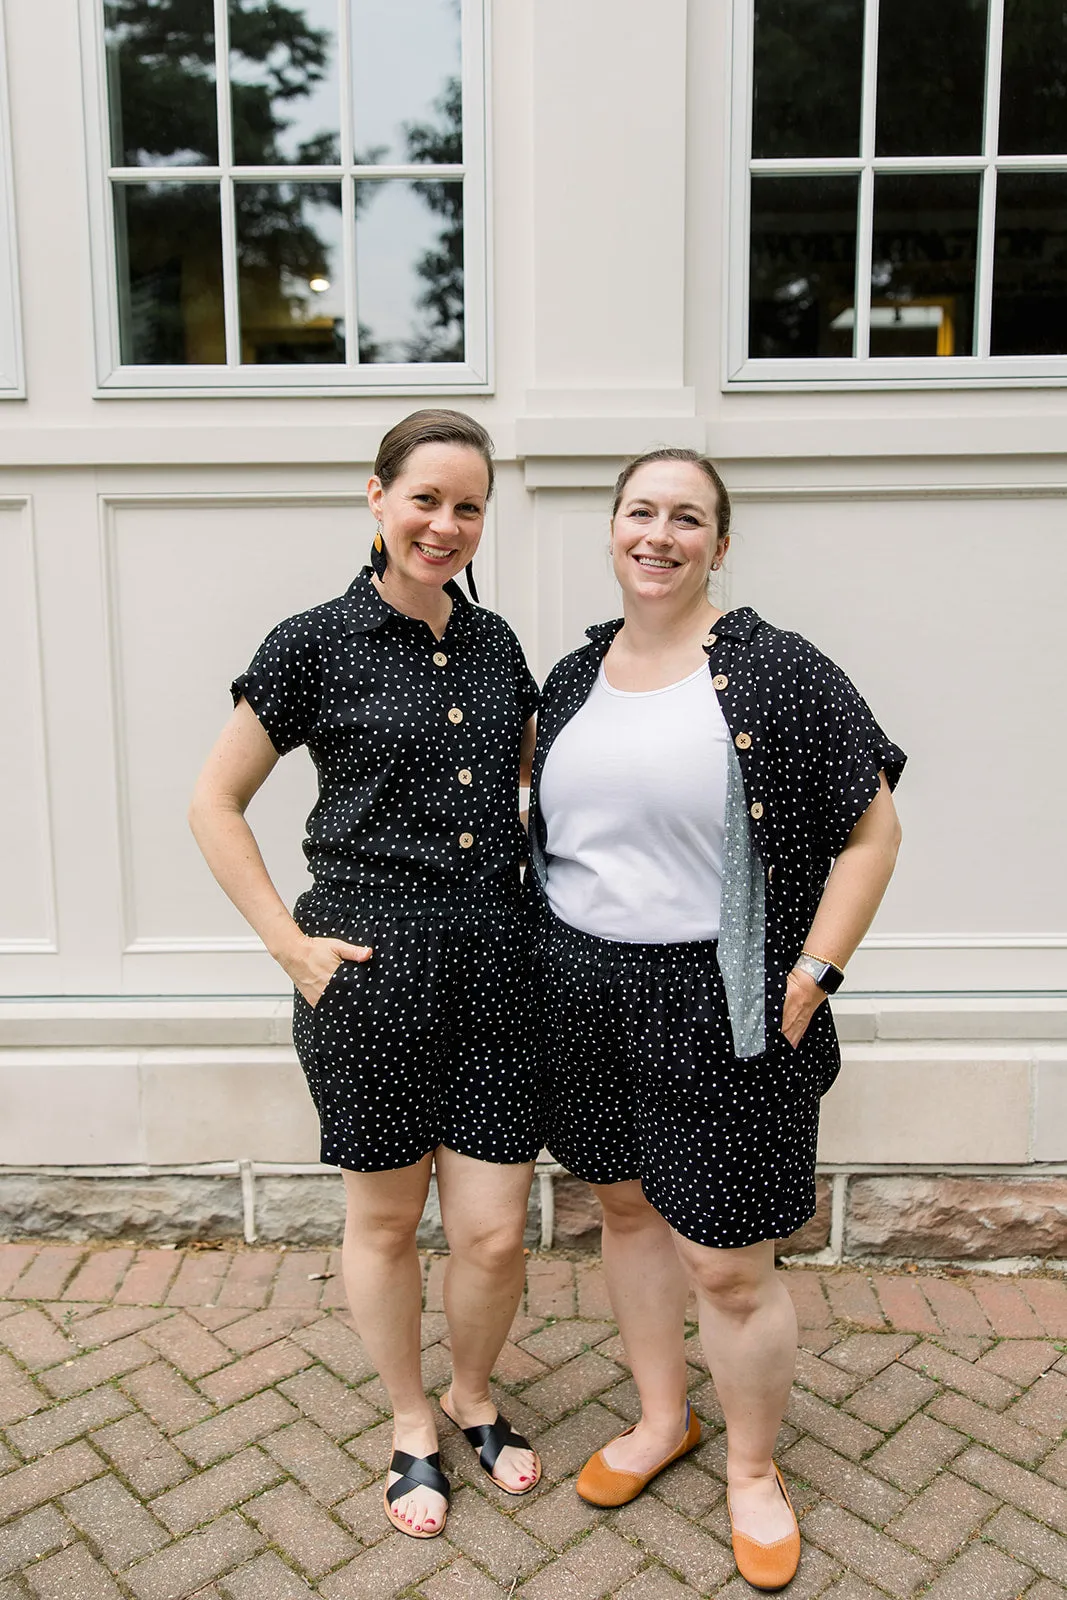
[[109, 505], [473, 375], [12, 377]]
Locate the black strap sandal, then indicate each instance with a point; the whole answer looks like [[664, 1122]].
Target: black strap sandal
[[416, 1472], [488, 1439]]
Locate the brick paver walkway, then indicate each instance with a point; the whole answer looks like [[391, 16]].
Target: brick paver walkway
[[205, 1422]]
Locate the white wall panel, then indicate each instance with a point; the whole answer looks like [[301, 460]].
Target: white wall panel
[[27, 920], [196, 583], [609, 194]]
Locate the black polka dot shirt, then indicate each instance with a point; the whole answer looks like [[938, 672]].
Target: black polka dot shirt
[[809, 753], [415, 741]]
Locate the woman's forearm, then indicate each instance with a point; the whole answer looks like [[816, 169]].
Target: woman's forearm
[[854, 891], [229, 847], [858, 880]]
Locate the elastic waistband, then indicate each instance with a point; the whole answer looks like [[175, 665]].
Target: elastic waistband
[[372, 903], [623, 950]]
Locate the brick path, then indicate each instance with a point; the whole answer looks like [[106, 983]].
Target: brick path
[[205, 1422]]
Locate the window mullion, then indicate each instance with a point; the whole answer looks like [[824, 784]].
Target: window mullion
[[865, 221], [987, 213], [224, 104], [348, 185]]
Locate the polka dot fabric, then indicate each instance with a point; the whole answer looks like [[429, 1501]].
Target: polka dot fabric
[[642, 1082], [724, 1146], [809, 749], [429, 1042], [415, 741], [415, 845]]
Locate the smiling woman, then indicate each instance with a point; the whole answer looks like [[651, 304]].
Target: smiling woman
[[432, 481], [695, 773], [411, 1014]]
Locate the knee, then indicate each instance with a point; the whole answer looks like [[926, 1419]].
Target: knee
[[389, 1235], [625, 1208], [493, 1246], [733, 1292]]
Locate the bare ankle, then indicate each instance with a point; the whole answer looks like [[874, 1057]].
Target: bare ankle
[[471, 1398]]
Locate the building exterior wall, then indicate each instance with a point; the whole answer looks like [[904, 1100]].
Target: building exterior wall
[[147, 545]]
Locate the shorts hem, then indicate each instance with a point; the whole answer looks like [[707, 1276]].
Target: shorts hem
[[348, 1163], [590, 1175], [493, 1160], [746, 1237]]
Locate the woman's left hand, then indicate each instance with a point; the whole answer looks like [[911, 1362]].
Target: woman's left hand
[[803, 997]]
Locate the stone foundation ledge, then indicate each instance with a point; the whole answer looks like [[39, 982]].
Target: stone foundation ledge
[[986, 1217], [80, 1021]]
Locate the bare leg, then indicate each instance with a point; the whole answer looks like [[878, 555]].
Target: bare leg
[[383, 1281], [749, 1332], [647, 1287], [483, 1208]]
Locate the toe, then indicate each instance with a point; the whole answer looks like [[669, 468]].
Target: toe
[[516, 1468]]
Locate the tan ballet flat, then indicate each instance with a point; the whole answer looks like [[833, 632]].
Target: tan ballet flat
[[605, 1485], [767, 1566]]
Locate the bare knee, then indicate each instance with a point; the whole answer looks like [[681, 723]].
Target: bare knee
[[493, 1246], [383, 1209], [389, 1237], [733, 1283], [625, 1208]]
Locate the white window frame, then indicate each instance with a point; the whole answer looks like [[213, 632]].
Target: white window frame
[[740, 372], [12, 379], [471, 376]]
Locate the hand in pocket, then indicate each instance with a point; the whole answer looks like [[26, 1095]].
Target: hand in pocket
[[317, 960]]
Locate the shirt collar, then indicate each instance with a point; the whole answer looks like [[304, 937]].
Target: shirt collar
[[739, 624], [364, 609]]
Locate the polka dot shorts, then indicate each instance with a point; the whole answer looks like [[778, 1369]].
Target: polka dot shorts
[[429, 1042], [642, 1082]]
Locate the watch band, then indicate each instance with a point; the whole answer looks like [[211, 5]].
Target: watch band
[[827, 974]]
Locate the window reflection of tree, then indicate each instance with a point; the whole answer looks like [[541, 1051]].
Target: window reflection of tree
[[440, 268], [162, 83]]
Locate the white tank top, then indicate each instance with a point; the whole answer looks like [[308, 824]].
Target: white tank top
[[633, 796]]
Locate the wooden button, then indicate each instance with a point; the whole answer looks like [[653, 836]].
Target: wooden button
[[720, 680], [464, 776], [712, 638], [455, 715], [440, 659], [756, 810], [466, 840], [743, 741]]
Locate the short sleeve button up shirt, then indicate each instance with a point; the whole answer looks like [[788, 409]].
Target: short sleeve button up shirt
[[415, 741], [804, 764]]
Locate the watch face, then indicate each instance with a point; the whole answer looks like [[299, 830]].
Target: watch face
[[830, 979]]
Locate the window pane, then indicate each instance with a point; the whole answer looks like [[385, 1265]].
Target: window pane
[[290, 272], [803, 266], [409, 265], [922, 264], [406, 61], [169, 245], [931, 77], [1033, 84], [285, 82], [1030, 265], [161, 83], [807, 68]]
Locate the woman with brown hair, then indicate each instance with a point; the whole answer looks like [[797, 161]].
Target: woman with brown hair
[[408, 955], [712, 831]]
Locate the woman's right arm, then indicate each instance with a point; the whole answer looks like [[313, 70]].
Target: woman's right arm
[[238, 766]]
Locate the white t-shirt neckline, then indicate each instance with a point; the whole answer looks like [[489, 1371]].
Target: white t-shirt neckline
[[644, 694]]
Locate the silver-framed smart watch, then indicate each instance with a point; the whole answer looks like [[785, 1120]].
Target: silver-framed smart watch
[[827, 975]]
